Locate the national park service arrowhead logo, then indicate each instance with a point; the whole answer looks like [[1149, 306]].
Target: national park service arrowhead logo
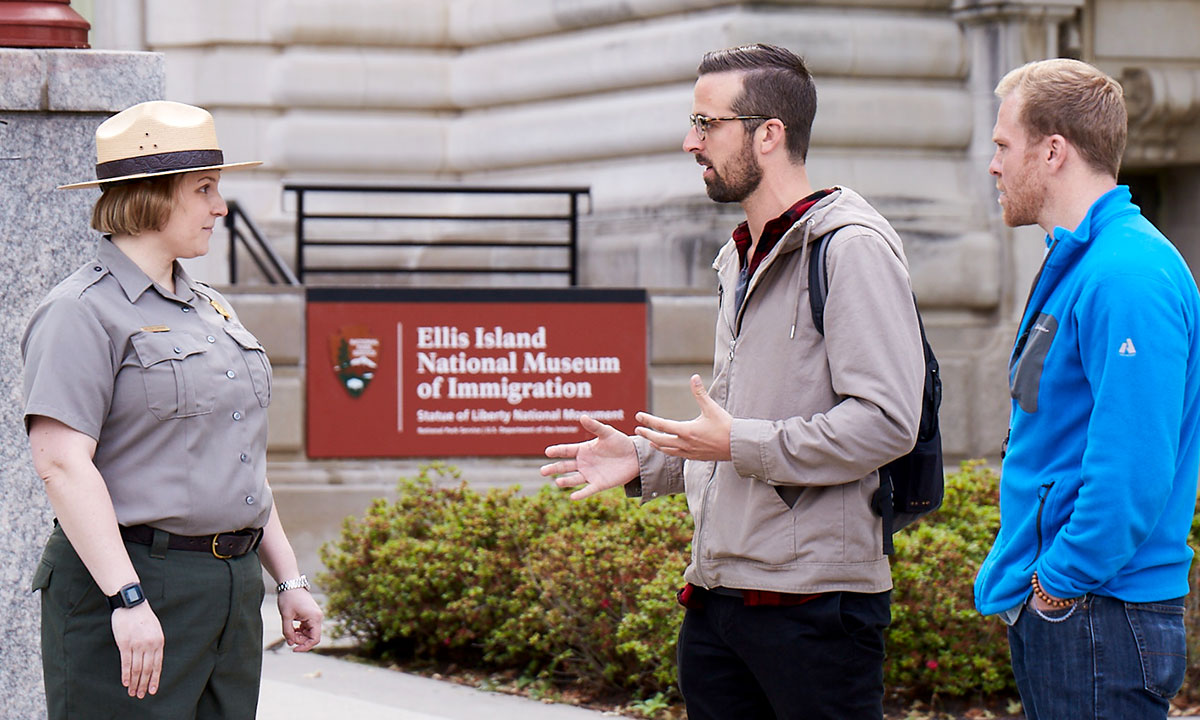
[[355, 356]]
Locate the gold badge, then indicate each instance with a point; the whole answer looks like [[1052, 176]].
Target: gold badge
[[217, 306], [156, 328]]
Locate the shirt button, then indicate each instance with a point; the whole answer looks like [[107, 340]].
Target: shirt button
[[249, 499], [210, 338], [98, 269], [186, 309], [178, 349], [230, 374], [237, 415], [245, 457]]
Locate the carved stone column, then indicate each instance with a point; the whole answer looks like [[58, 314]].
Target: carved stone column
[[1164, 107]]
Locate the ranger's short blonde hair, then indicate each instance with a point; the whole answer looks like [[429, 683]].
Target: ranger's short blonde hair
[[137, 206], [1075, 100]]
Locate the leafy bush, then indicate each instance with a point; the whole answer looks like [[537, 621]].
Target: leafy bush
[[557, 589], [583, 592], [938, 643]]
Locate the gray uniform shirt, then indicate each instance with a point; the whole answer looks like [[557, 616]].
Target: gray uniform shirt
[[172, 387]]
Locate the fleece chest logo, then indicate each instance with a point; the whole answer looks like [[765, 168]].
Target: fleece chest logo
[[1127, 348]]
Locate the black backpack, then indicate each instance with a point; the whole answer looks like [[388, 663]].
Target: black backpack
[[914, 483]]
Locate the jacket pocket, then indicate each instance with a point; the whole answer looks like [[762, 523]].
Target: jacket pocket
[[173, 369], [1162, 645], [747, 519], [1025, 379], [255, 357]]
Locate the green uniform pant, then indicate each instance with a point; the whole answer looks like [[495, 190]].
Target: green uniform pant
[[209, 609]]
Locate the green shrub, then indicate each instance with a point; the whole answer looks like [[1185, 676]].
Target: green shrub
[[938, 643], [557, 589], [583, 592]]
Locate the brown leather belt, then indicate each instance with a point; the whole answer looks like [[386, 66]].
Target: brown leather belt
[[222, 545]]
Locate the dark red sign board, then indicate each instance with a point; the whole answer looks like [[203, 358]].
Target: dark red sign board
[[469, 372]]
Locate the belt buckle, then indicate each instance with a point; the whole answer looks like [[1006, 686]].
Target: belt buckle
[[214, 548]]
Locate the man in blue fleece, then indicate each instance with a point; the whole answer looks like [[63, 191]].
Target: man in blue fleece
[[1090, 567]]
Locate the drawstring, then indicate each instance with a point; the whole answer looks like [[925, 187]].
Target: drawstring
[[804, 253]]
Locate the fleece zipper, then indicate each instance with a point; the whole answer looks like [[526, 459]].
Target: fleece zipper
[[1043, 494]]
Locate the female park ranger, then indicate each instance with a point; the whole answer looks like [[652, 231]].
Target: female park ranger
[[146, 406]]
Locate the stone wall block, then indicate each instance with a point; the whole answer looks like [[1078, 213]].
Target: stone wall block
[[24, 74], [955, 413], [668, 50], [683, 328], [347, 141], [1173, 37], [887, 115], [286, 415], [483, 22], [276, 317], [83, 80], [671, 390], [229, 75], [75, 80], [355, 23], [171, 23], [361, 78], [960, 272]]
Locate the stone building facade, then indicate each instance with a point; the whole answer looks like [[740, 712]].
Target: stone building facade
[[597, 92]]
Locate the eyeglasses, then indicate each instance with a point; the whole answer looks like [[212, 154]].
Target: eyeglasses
[[701, 122]]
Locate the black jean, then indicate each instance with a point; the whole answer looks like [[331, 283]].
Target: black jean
[[822, 660]]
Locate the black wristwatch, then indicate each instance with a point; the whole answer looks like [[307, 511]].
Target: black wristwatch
[[129, 596]]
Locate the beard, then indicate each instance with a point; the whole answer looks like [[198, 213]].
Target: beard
[[736, 182], [1024, 199]]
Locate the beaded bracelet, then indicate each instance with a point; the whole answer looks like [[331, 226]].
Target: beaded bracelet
[[1045, 597]]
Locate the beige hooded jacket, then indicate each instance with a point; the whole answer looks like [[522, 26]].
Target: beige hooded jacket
[[813, 416]]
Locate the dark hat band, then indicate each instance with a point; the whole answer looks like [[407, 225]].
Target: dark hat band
[[160, 163]]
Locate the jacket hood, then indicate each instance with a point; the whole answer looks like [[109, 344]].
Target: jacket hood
[[841, 207]]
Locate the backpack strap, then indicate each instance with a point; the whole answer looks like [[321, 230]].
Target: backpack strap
[[818, 282], [882, 502]]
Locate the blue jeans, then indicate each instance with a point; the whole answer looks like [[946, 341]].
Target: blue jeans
[[1101, 658]]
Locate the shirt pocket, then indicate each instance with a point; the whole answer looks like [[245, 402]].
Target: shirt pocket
[[255, 357], [173, 370], [1026, 378]]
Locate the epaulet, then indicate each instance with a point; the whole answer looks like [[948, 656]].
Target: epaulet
[[85, 277]]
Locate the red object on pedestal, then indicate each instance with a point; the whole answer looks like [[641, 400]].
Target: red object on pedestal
[[41, 24]]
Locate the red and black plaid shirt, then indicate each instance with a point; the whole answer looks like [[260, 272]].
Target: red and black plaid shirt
[[772, 231]]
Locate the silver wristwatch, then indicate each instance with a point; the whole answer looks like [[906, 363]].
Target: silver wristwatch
[[293, 584]]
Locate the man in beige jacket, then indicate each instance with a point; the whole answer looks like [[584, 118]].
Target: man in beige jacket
[[788, 587]]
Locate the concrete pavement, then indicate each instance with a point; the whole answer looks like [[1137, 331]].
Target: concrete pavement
[[309, 686]]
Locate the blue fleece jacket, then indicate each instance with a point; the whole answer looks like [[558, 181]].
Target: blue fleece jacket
[[1099, 482]]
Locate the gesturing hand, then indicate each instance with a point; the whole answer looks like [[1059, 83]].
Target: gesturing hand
[[606, 461], [704, 438], [139, 637]]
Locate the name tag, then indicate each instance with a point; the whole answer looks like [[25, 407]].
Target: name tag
[[156, 328]]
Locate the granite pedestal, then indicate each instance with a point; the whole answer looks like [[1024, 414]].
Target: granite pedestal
[[50, 104]]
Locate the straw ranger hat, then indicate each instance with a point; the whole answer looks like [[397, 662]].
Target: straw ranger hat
[[156, 138]]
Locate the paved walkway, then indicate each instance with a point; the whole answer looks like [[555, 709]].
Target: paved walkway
[[304, 686], [308, 686]]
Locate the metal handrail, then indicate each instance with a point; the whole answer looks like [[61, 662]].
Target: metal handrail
[[570, 217], [269, 263]]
